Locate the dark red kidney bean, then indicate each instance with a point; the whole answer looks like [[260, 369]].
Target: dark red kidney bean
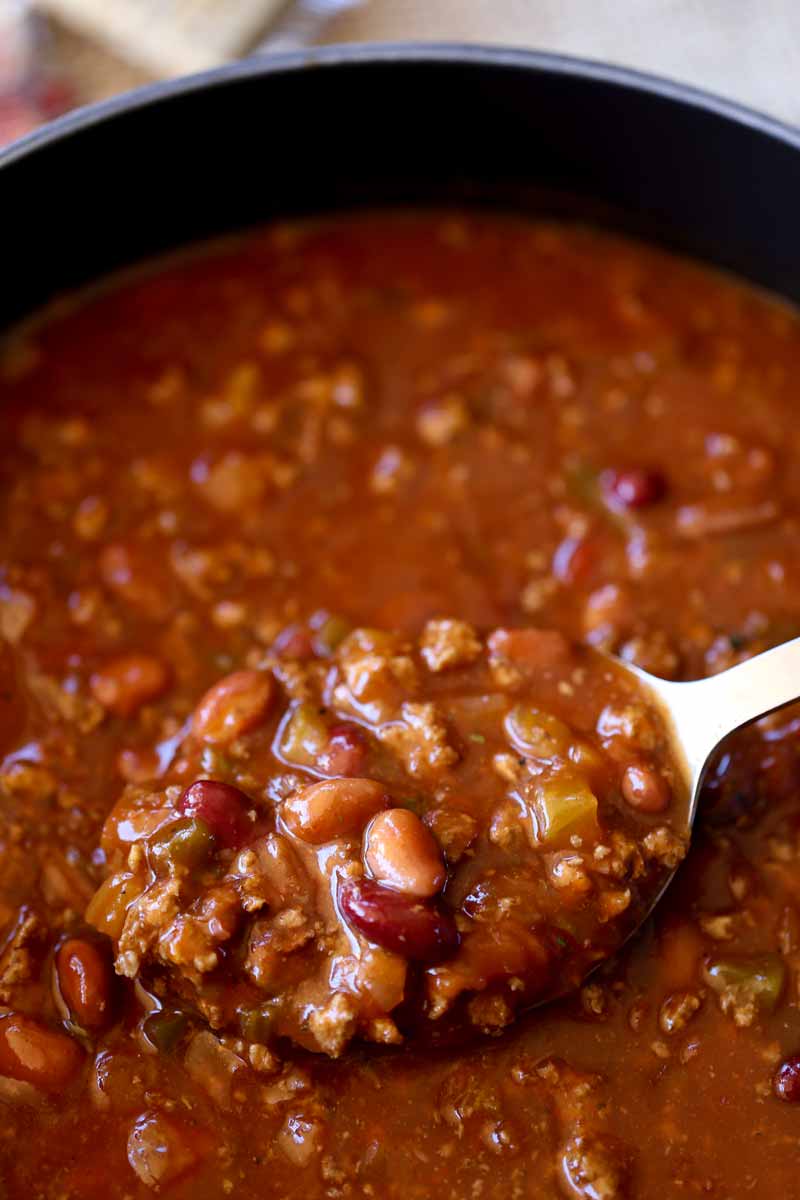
[[786, 1080], [345, 752], [85, 982], [294, 642], [417, 931], [575, 559], [222, 807], [32, 1053], [634, 488]]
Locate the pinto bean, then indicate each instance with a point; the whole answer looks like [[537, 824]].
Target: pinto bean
[[31, 1052], [403, 854], [125, 683], [333, 808], [405, 925], [644, 789], [84, 983], [234, 706]]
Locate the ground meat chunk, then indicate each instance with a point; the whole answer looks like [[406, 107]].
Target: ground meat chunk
[[619, 858], [677, 1011], [377, 674], [18, 956], [192, 938], [272, 939], [146, 920], [333, 1025], [448, 643], [665, 846], [454, 831], [420, 739], [490, 1011], [594, 1167]]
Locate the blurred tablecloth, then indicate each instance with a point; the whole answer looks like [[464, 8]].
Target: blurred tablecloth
[[745, 49]]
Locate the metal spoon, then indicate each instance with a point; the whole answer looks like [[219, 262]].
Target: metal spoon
[[699, 715]]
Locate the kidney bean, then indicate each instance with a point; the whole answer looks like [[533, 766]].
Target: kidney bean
[[402, 853], [222, 807], [233, 706], [576, 559], [293, 642], [634, 488], [345, 752], [84, 982], [31, 1052], [417, 931], [333, 808], [125, 683], [786, 1080], [644, 789]]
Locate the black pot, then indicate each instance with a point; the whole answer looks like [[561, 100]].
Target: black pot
[[397, 124]]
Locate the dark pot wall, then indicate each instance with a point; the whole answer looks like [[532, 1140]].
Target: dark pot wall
[[366, 125]]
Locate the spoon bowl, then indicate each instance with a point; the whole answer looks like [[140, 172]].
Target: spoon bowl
[[699, 715]]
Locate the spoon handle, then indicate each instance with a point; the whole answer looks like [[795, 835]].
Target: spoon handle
[[707, 710]]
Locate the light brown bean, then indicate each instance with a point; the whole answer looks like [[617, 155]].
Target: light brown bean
[[333, 808], [234, 706], [125, 683], [31, 1052], [644, 789], [403, 854]]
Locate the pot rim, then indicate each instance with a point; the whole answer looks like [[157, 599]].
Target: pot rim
[[407, 53]]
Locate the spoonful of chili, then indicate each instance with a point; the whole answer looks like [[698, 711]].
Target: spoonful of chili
[[384, 837]]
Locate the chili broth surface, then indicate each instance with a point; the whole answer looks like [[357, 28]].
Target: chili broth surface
[[242, 492]]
